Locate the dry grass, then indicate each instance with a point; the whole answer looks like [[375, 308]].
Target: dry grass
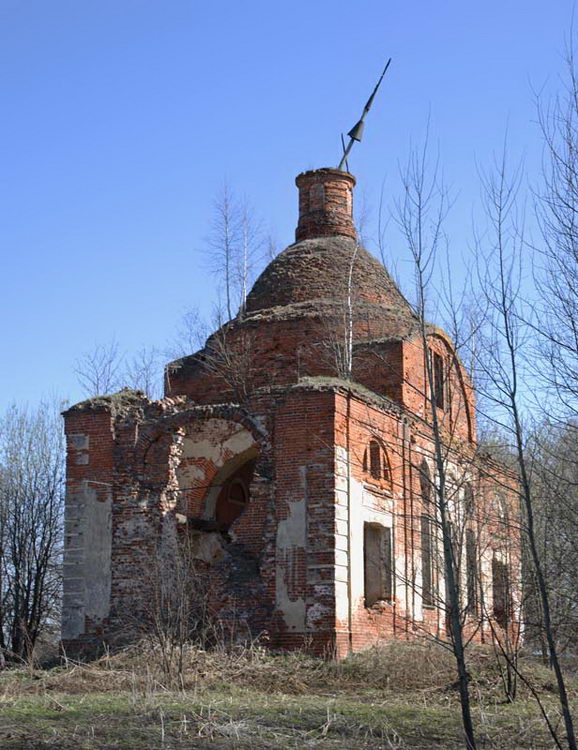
[[396, 696]]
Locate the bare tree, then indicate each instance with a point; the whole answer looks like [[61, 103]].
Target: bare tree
[[337, 345], [556, 274], [557, 210], [191, 333], [99, 370], [173, 610], [420, 215], [251, 244], [230, 355], [224, 244], [555, 478], [31, 507], [384, 217], [143, 371], [233, 248], [502, 364], [105, 370], [271, 247]]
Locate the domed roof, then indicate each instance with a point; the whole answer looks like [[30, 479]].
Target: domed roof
[[317, 271]]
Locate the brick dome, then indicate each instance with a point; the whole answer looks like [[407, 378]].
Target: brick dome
[[316, 271], [310, 278]]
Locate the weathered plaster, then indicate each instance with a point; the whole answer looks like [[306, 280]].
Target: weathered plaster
[[207, 547], [291, 537], [208, 440], [86, 578]]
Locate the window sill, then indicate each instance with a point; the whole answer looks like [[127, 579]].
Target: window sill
[[378, 490], [380, 605]]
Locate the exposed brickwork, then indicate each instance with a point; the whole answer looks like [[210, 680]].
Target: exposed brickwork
[[276, 493], [325, 204]]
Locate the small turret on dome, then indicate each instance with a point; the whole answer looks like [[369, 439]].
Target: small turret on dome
[[325, 204]]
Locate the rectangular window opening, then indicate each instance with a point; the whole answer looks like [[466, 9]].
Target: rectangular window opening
[[439, 381], [501, 593], [472, 572], [427, 561], [378, 563]]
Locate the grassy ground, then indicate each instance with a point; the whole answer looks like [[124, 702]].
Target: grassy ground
[[398, 696]]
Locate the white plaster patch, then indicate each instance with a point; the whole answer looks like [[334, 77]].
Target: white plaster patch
[[291, 536], [207, 547], [241, 441], [341, 483], [78, 442], [214, 439], [191, 473], [98, 557], [341, 542], [341, 604], [87, 559]]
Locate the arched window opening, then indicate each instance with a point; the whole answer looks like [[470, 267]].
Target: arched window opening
[[427, 561], [378, 563], [439, 385], [427, 541], [375, 461], [234, 495]]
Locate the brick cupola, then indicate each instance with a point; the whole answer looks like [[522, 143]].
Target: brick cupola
[[325, 204]]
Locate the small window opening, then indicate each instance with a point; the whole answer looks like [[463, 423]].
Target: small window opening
[[425, 483], [501, 593], [375, 459], [438, 381], [427, 538], [471, 572], [427, 561], [378, 563]]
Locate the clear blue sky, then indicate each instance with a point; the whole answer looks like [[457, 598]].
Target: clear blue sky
[[121, 118]]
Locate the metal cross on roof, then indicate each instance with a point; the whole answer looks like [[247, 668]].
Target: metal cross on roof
[[356, 132]]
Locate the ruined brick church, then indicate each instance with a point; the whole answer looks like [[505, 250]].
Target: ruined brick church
[[307, 490]]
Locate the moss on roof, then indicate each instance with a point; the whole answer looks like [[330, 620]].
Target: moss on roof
[[113, 402]]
